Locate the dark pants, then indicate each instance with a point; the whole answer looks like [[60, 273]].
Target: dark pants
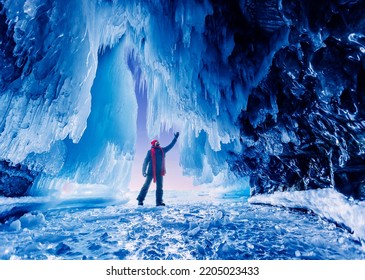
[[146, 185]]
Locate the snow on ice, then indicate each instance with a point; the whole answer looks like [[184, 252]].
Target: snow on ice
[[327, 203], [206, 227]]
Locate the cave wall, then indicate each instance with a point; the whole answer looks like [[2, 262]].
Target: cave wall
[[304, 123]]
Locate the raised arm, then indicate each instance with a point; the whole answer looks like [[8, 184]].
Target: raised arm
[[173, 142]]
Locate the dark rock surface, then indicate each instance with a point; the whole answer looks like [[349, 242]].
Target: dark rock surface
[[15, 180], [304, 123]]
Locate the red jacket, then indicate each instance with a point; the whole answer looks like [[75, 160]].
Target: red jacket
[[160, 153]]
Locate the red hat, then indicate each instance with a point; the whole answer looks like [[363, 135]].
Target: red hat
[[154, 143]]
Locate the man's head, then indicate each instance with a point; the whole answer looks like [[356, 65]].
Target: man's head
[[155, 143]]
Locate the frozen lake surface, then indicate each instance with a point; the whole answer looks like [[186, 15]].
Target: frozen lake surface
[[202, 228]]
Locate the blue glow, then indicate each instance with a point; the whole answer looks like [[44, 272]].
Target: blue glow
[[268, 97]]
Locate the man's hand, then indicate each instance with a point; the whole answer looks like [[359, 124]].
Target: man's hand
[[176, 134]]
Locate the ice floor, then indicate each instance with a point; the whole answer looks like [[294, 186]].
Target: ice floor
[[200, 228]]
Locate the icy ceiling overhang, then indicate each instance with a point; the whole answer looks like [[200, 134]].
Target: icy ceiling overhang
[[268, 89]]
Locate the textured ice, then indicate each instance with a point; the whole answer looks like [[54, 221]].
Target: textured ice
[[206, 227], [327, 203]]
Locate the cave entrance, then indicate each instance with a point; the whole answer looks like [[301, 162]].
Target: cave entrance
[[174, 178]]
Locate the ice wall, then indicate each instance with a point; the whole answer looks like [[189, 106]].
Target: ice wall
[[100, 163], [50, 54]]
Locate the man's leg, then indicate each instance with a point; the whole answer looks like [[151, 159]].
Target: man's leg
[[144, 190], [159, 190]]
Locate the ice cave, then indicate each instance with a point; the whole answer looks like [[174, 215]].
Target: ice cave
[[268, 97]]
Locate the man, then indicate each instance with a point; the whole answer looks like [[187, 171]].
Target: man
[[154, 168]]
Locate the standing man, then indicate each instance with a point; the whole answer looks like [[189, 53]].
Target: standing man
[[154, 168]]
